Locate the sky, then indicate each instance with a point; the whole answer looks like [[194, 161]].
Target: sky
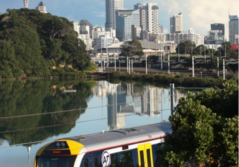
[[197, 14]]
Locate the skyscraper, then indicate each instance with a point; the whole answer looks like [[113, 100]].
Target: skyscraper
[[26, 3], [148, 17], [125, 19], [111, 6], [176, 23], [233, 29]]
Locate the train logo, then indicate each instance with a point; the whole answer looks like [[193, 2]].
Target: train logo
[[105, 159]]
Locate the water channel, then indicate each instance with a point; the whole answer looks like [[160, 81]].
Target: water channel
[[34, 113]]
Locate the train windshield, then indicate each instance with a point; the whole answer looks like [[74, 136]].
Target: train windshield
[[56, 161]]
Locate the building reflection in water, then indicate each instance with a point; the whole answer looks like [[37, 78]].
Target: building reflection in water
[[123, 99]]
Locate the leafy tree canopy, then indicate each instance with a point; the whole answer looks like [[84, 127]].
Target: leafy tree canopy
[[205, 128], [37, 41], [186, 47], [131, 48]]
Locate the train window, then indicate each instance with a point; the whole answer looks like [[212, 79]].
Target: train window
[[126, 159], [149, 157], [85, 162], [97, 162], [158, 154], [142, 158], [114, 160], [56, 161]]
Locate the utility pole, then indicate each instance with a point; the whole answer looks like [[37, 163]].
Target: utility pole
[[171, 97], [162, 58], [224, 70], [193, 66], [115, 62], [127, 64], [132, 61], [169, 63], [218, 66], [146, 66]]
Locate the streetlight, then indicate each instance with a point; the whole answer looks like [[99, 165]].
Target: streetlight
[[201, 74]]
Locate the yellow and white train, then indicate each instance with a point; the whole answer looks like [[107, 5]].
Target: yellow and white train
[[130, 147]]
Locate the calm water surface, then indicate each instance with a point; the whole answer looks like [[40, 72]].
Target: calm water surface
[[37, 112]]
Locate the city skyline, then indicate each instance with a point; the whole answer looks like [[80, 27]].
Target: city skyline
[[196, 15]]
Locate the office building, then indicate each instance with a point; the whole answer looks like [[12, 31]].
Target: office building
[[148, 17], [41, 7], [125, 19], [26, 3], [216, 35], [136, 32], [219, 27], [76, 26], [111, 6], [99, 31], [160, 29], [87, 40], [198, 39], [176, 23], [102, 42], [85, 27], [233, 29]]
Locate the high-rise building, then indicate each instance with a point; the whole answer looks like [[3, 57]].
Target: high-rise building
[[125, 19], [85, 27], [41, 7], [176, 23], [76, 27], [111, 6], [218, 26], [26, 3], [198, 39], [160, 28], [233, 29], [216, 35], [148, 17]]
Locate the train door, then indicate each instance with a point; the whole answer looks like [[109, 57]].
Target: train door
[[145, 156]]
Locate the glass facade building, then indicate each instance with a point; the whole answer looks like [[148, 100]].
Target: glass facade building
[[111, 6], [233, 29], [124, 21]]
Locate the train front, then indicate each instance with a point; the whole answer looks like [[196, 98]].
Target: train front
[[61, 153]]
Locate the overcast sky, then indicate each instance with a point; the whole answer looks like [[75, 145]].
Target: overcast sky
[[197, 14]]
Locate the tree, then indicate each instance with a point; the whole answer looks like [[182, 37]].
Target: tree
[[131, 48], [39, 41], [205, 128], [185, 47], [8, 60], [200, 50]]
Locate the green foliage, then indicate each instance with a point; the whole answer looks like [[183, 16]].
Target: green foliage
[[200, 50], [185, 47], [178, 79], [41, 98], [37, 42], [205, 128], [132, 48]]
